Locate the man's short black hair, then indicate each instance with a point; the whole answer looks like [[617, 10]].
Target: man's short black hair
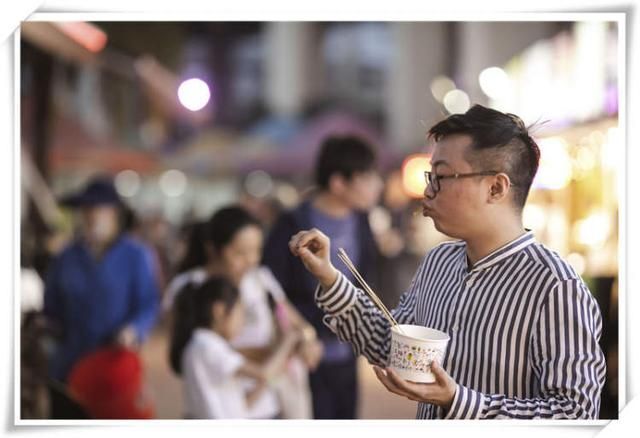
[[500, 141], [344, 155]]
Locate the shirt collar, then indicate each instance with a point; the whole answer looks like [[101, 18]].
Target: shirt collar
[[208, 335], [504, 251], [82, 243]]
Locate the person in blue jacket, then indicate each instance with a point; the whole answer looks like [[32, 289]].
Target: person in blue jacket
[[101, 289], [348, 185]]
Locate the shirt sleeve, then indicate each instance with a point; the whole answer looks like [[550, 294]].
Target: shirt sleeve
[[565, 357], [221, 362], [145, 294], [354, 318]]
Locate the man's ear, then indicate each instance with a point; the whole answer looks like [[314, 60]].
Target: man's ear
[[499, 189]]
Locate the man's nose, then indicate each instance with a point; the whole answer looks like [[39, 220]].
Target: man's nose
[[428, 192]]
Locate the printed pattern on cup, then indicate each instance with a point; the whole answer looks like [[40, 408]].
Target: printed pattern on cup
[[413, 358]]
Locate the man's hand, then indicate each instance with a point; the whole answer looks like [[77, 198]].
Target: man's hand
[[312, 246], [440, 393]]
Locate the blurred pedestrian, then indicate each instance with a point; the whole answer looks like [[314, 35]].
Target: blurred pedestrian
[[348, 186], [206, 316], [101, 288], [230, 244], [134, 228]]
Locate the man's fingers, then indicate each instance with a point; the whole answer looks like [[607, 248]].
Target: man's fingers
[[441, 392], [402, 384], [424, 392], [312, 239], [306, 255], [293, 245], [308, 237], [384, 379], [294, 242], [439, 372]]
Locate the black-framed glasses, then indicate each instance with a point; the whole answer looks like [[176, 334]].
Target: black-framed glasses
[[433, 180]]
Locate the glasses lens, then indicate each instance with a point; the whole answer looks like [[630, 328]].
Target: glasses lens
[[432, 181]]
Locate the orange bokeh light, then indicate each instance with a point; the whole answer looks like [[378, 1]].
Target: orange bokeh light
[[413, 169], [86, 34]]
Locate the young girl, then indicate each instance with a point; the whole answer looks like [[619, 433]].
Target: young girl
[[206, 317], [230, 244]]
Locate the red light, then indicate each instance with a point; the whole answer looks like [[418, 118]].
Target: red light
[[86, 34]]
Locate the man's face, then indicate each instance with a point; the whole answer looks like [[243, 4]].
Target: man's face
[[460, 205], [100, 223], [363, 190]]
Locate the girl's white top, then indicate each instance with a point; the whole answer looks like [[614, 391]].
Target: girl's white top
[[211, 389], [258, 329]]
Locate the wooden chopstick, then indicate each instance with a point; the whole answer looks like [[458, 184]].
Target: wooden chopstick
[[369, 291], [345, 259], [342, 254]]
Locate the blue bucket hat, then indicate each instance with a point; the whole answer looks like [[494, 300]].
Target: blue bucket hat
[[98, 191]]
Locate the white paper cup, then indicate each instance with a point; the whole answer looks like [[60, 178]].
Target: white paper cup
[[412, 352]]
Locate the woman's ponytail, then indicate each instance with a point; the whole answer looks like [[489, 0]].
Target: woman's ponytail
[[184, 323], [193, 309]]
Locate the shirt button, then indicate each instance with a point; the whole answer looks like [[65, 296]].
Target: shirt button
[[455, 328]]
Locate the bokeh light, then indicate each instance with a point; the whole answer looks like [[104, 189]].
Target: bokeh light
[[287, 195], [194, 94], [440, 86], [413, 174], [173, 183], [578, 262], [456, 102], [555, 170], [258, 184], [127, 183], [494, 82], [593, 230]]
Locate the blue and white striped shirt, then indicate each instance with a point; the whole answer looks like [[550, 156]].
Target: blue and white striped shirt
[[524, 330]]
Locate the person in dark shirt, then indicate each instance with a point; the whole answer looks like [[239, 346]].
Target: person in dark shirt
[[348, 185]]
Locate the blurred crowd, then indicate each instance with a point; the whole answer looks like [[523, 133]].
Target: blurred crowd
[[235, 308]]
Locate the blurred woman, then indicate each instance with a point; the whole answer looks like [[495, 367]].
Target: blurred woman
[[207, 316], [232, 241]]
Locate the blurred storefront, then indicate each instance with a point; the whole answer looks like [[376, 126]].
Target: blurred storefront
[[568, 86]]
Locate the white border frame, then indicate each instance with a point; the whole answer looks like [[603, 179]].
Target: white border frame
[[396, 15]]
